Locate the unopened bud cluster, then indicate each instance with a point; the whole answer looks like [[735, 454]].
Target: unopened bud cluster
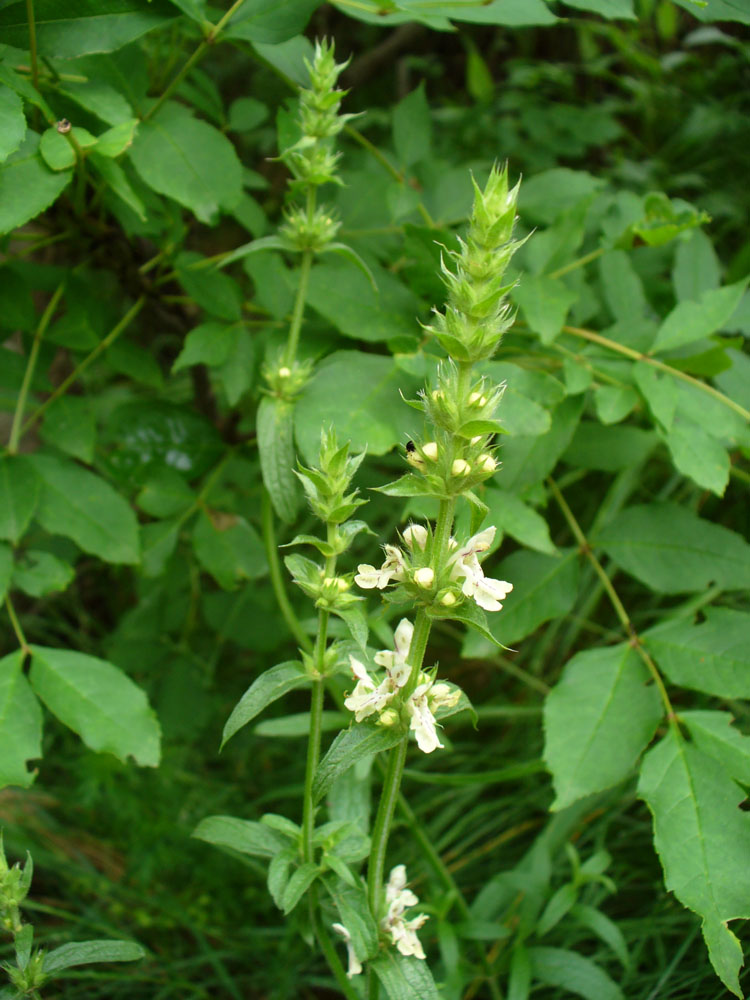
[[14, 888], [286, 380]]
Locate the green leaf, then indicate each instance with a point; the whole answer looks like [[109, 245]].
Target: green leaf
[[360, 740], [246, 113], [527, 460], [658, 390], [278, 873], [253, 247], [359, 394], [69, 28], [698, 455], [713, 657], [58, 151], [608, 448], [691, 321], [696, 267], [6, 569], [607, 8], [574, 973], [673, 551], [519, 980], [242, 835], [298, 884], [598, 719], [513, 517], [81, 506], [297, 725], [165, 493], [69, 425], [614, 402], [12, 122], [622, 287], [604, 928], [188, 160], [40, 573], [269, 21], [19, 495], [118, 183], [713, 734], [404, 978], [211, 343], [703, 842], [275, 430], [99, 97], [117, 139], [16, 305], [158, 542], [717, 10], [228, 548], [544, 302], [269, 687], [20, 723], [98, 701], [412, 128], [87, 952], [558, 906], [354, 910], [215, 292], [27, 183]]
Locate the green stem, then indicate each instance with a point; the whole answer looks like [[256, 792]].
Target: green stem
[[16, 427], [198, 54], [17, 626], [329, 951], [102, 346], [313, 755], [575, 264], [382, 827], [277, 579], [32, 43], [290, 352]]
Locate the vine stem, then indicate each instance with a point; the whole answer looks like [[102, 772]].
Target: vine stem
[[16, 427], [198, 54], [111, 337], [614, 597]]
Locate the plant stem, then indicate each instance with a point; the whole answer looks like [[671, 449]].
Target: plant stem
[[290, 352], [313, 755], [382, 827], [329, 951], [16, 626], [575, 264], [617, 604], [102, 346], [198, 54], [16, 427], [32, 43], [277, 579]]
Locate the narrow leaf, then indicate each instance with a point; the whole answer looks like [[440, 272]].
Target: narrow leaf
[[269, 687], [242, 835], [275, 426], [361, 740], [86, 952], [298, 884]]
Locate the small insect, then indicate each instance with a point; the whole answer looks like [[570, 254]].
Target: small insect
[[412, 455], [63, 126], [410, 447]]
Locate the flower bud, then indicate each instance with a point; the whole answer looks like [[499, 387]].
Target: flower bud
[[388, 717], [430, 451], [477, 399], [448, 599], [424, 577], [486, 463], [415, 535], [460, 468], [284, 372]]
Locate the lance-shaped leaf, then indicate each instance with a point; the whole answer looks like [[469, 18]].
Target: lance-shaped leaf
[[574, 973], [241, 835], [270, 686], [20, 723], [362, 740], [713, 657], [86, 952], [275, 426], [98, 701], [703, 841], [597, 720], [405, 978]]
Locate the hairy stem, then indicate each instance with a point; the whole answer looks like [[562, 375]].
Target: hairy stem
[[290, 352], [277, 578]]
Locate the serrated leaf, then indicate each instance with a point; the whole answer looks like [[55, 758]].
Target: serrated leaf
[[713, 734], [691, 321], [87, 952], [40, 573], [361, 740], [27, 184], [405, 978], [298, 884], [12, 123], [275, 428], [98, 701], [698, 455], [598, 719], [215, 292], [513, 517], [242, 835], [544, 302], [703, 842], [19, 495], [674, 551], [574, 973], [69, 425], [269, 687], [211, 344], [188, 160], [269, 22], [713, 657], [20, 723], [82, 506]]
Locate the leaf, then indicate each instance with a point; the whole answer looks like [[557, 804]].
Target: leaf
[[558, 906], [713, 734], [295, 726], [513, 517], [73, 28], [28, 185], [278, 873], [12, 122], [269, 21], [69, 425], [696, 267], [528, 460], [228, 548], [412, 128], [118, 183], [519, 980], [713, 657], [242, 835], [19, 495], [621, 285], [81, 506], [574, 973], [98, 701], [269, 687], [275, 430], [604, 928], [298, 884], [598, 719], [718, 10], [165, 493], [359, 394], [40, 573], [608, 448], [188, 160], [544, 302], [614, 402], [158, 542], [87, 952], [58, 151], [691, 321], [360, 740], [405, 978], [20, 723], [658, 390], [210, 344], [698, 455], [607, 8], [6, 569], [703, 842], [673, 551], [215, 292], [99, 97]]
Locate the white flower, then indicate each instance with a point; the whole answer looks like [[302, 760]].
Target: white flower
[[393, 568], [367, 698], [422, 721], [355, 966], [488, 593], [395, 661], [415, 534], [403, 933]]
